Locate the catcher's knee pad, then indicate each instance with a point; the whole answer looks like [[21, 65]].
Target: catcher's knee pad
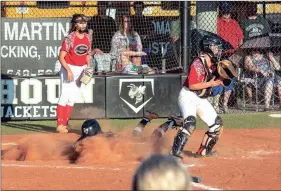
[[189, 125], [211, 137]]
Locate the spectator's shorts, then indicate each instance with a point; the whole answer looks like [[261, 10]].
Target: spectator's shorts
[[219, 90]]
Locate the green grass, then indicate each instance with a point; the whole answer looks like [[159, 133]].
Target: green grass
[[231, 121]]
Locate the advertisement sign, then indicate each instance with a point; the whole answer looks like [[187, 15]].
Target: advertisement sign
[[37, 98], [30, 47]]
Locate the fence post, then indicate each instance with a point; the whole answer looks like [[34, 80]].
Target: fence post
[[185, 33]]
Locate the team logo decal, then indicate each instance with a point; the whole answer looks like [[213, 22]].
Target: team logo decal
[[81, 49], [136, 93]]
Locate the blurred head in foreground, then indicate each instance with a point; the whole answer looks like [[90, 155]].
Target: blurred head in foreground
[[161, 172]]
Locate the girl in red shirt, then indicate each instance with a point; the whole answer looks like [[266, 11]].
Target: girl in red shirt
[[74, 57]]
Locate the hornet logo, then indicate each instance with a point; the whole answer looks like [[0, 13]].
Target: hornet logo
[[136, 93]]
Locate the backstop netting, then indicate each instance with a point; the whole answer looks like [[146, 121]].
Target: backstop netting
[[32, 32], [250, 32]]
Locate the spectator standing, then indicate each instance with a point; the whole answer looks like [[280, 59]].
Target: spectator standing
[[140, 23], [103, 27], [229, 30]]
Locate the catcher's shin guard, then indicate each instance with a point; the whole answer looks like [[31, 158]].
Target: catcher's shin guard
[[210, 138], [183, 134]]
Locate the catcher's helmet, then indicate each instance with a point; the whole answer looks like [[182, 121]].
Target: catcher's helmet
[[205, 46], [90, 128]]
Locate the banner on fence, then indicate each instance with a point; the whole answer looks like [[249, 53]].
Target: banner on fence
[[30, 98], [30, 46]]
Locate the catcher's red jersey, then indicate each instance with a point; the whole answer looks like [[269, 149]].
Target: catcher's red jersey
[[77, 49], [197, 73]]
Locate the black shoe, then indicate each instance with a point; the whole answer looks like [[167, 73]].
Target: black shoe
[[178, 157]]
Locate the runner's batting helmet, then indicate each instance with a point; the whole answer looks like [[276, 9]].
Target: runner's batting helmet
[[90, 128]]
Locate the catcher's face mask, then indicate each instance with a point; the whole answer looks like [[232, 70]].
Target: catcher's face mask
[[217, 50]]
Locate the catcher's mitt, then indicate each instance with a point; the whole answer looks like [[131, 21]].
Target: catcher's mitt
[[87, 75], [226, 71]]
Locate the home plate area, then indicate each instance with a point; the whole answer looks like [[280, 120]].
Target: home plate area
[[247, 159]]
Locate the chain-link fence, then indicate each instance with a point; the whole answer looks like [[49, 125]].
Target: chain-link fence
[[251, 38], [32, 33], [43, 24]]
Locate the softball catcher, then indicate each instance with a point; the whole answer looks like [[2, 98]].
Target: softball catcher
[[206, 72]]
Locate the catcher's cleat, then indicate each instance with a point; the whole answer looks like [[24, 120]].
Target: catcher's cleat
[[62, 129], [178, 122], [150, 115], [210, 154]]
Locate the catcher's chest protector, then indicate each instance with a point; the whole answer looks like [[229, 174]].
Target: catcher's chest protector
[[204, 93]]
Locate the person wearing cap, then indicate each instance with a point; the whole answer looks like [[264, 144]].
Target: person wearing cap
[[229, 30]]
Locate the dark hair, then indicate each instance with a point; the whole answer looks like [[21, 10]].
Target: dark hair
[[75, 19], [138, 3], [252, 9], [225, 8], [103, 3], [121, 24]]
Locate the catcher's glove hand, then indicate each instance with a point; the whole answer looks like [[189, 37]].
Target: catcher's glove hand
[[226, 71], [87, 75]]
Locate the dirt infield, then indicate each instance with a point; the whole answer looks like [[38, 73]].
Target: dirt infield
[[248, 159]]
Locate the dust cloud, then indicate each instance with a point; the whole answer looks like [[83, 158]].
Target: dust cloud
[[100, 149]]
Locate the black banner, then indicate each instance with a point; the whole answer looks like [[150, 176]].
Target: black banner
[[37, 98], [166, 92], [104, 97]]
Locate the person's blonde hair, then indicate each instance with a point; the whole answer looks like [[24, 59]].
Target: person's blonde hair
[[161, 172]]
